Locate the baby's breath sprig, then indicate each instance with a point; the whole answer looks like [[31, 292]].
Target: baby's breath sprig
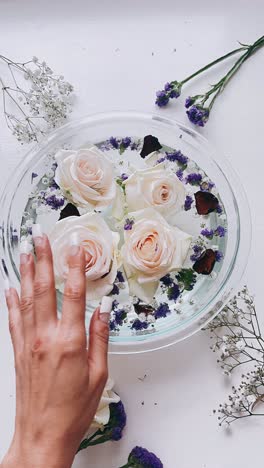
[[236, 334], [34, 99]]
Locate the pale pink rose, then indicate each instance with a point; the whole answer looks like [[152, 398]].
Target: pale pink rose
[[155, 187], [152, 248], [101, 252], [86, 176]]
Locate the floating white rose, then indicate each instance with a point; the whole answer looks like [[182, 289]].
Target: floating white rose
[[87, 176], [101, 253], [155, 187], [152, 249], [102, 414]]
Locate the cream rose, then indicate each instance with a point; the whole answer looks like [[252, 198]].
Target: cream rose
[[157, 188], [87, 176], [102, 415], [152, 249], [101, 253]]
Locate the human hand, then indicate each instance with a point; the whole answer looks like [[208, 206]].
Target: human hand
[[58, 381]]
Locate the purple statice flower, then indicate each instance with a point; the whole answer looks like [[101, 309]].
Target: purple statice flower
[[125, 142], [54, 185], [198, 115], [128, 224], [220, 231], [179, 174], [138, 325], [168, 87], [162, 311], [177, 156], [124, 176], [160, 160], [173, 292], [135, 145], [218, 256], [188, 203], [112, 325], [116, 433], [33, 176], [189, 101], [219, 209], [54, 201], [120, 277], [115, 289], [120, 315], [162, 98], [114, 142], [209, 233], [193, 178], [197, 250], [206, 186], [166, 280], [141, 458]]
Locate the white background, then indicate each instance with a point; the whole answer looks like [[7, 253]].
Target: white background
[[117, 54]]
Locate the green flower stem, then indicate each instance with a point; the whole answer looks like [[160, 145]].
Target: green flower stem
[[211, 64], [220, 86], [86, 442], [126, 466]]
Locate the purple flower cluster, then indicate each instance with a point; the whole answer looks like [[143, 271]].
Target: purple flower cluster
[[162, 310], [179, 174], [188, 203], [189, 101], [171, 91], [117, 283], [166, 280], [218, 256], [120, 144], [117, 420], [139, 325], [173, 292], [124, 176], [198, 115], [210, 233], [128, 224], [177, 156], [219, 209], [142, 458], [118, 317], [197, 250], [193, 178], [52, 197]]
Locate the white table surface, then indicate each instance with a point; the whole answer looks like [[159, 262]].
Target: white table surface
[[117, 54]]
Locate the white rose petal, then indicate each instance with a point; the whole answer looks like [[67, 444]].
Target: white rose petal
[[103, 412], [101, 252], [155, 187], [152, 249], [86, 176]]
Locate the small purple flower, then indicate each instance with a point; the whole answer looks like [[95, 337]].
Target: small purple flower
[[54, 185], [209, 233], [220, 231], [120, 316], [55, 202], [173, 292], [120, 277], [115, 290], [142, 458], [128, 224], [218, 256], [166, 280], [160, 160], [114, 142], [116, 433], [33, 176], [162, 311], [138, 325], [219, 209], [179, 174], [162, 98], [198, 115], [112, 325], [124, 176], [193, 178], [168, 87], [135, 145], [125, 142], [197, 250], [189, 102], [188, 203], [177, 156]]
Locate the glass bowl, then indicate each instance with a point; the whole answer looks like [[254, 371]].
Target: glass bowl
[[199, 304]]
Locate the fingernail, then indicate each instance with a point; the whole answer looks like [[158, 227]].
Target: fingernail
[[37, 234], [25, 249], [74, 243], [105, 309]]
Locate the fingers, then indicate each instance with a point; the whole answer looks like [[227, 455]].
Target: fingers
[[27, 272], [44, 283], [73, 309], [98, 344], [15, 320]]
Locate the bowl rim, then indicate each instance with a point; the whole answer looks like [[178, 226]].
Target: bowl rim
[[238, 192]]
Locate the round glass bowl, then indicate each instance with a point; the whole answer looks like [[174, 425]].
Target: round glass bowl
[[197, 305]]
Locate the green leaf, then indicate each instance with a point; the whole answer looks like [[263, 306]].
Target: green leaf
[[187, 277]]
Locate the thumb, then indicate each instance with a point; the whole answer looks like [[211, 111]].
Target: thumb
[[98, 343]]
